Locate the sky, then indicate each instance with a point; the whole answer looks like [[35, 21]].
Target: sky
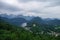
[[41, 8]]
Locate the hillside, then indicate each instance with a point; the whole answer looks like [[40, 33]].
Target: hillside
[[11, 32]]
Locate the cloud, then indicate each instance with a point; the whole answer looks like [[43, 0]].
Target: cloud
[[4, 6], [41, 8], [32, 0]]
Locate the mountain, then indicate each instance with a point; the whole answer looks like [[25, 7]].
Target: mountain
[[47, 21], [36, 20], [16, 16], [17, 21], [39, 25], [28, 18], [54, 22], [12, 32], [14, 21], [7, 16]]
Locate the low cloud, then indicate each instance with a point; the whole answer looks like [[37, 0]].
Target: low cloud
[[41, 8]]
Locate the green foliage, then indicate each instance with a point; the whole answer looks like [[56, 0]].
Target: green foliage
[[10, 32]]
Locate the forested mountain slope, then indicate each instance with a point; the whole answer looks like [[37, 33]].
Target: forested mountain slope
[[11, 32]]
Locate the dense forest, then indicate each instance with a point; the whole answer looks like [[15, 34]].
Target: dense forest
[[11, 32]]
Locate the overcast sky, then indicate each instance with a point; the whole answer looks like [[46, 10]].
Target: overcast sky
[[41, 8]]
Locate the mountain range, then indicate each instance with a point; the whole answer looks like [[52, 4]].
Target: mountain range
[[19, 19], [33, 24]]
